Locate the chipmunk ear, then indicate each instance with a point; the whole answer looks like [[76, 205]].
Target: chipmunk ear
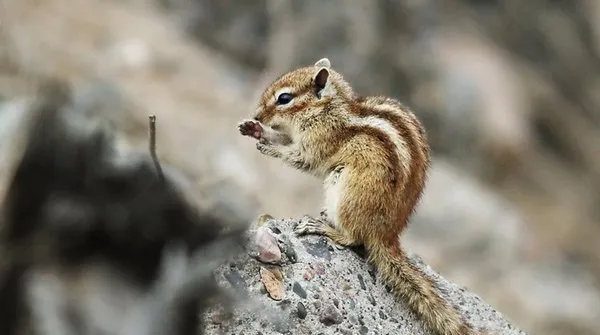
[[323, 62], [321, 78]]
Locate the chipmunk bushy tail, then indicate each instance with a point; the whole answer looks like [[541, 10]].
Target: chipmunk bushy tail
[[418, 292]]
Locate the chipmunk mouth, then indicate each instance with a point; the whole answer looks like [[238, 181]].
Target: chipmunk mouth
[[262, 116]]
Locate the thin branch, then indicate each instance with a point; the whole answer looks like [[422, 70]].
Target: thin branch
[[152, 145]]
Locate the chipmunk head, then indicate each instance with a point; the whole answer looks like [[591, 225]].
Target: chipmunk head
[[307, 90]]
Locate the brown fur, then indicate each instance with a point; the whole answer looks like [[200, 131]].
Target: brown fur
[[374, 156]]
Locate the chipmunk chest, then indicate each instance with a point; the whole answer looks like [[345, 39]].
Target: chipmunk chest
[[334, 190]]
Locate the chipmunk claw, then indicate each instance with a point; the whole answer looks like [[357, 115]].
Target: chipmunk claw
[[309, 225]]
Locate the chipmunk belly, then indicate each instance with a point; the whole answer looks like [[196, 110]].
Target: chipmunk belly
[[334, 186]]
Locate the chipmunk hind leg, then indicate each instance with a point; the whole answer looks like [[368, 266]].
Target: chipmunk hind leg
[[367, 206], [353, 213]]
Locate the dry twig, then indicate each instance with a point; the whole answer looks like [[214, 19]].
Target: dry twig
[[152, 145]]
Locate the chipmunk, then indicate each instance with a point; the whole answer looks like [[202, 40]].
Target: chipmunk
[[374, 156]]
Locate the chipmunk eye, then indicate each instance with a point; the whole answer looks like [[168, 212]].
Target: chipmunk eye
[[284, 98]]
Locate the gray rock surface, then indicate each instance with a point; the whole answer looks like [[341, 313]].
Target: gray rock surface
[[331, 290]]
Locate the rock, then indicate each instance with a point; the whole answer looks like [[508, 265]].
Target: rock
[[362, 282], [301, 310], [273, 281], [297, 288], [219, 317], [330, 316], [319, 249], [236, 280], [266, 244], [287, 247], [319, 268], [347, 293]]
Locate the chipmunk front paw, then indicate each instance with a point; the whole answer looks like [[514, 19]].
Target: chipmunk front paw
[[268, 149], [251, 128]]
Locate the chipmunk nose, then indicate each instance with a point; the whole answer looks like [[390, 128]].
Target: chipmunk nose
[[258, 112], [259, 115]]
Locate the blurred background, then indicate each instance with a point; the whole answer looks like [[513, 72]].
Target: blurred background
[[508, 90]]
